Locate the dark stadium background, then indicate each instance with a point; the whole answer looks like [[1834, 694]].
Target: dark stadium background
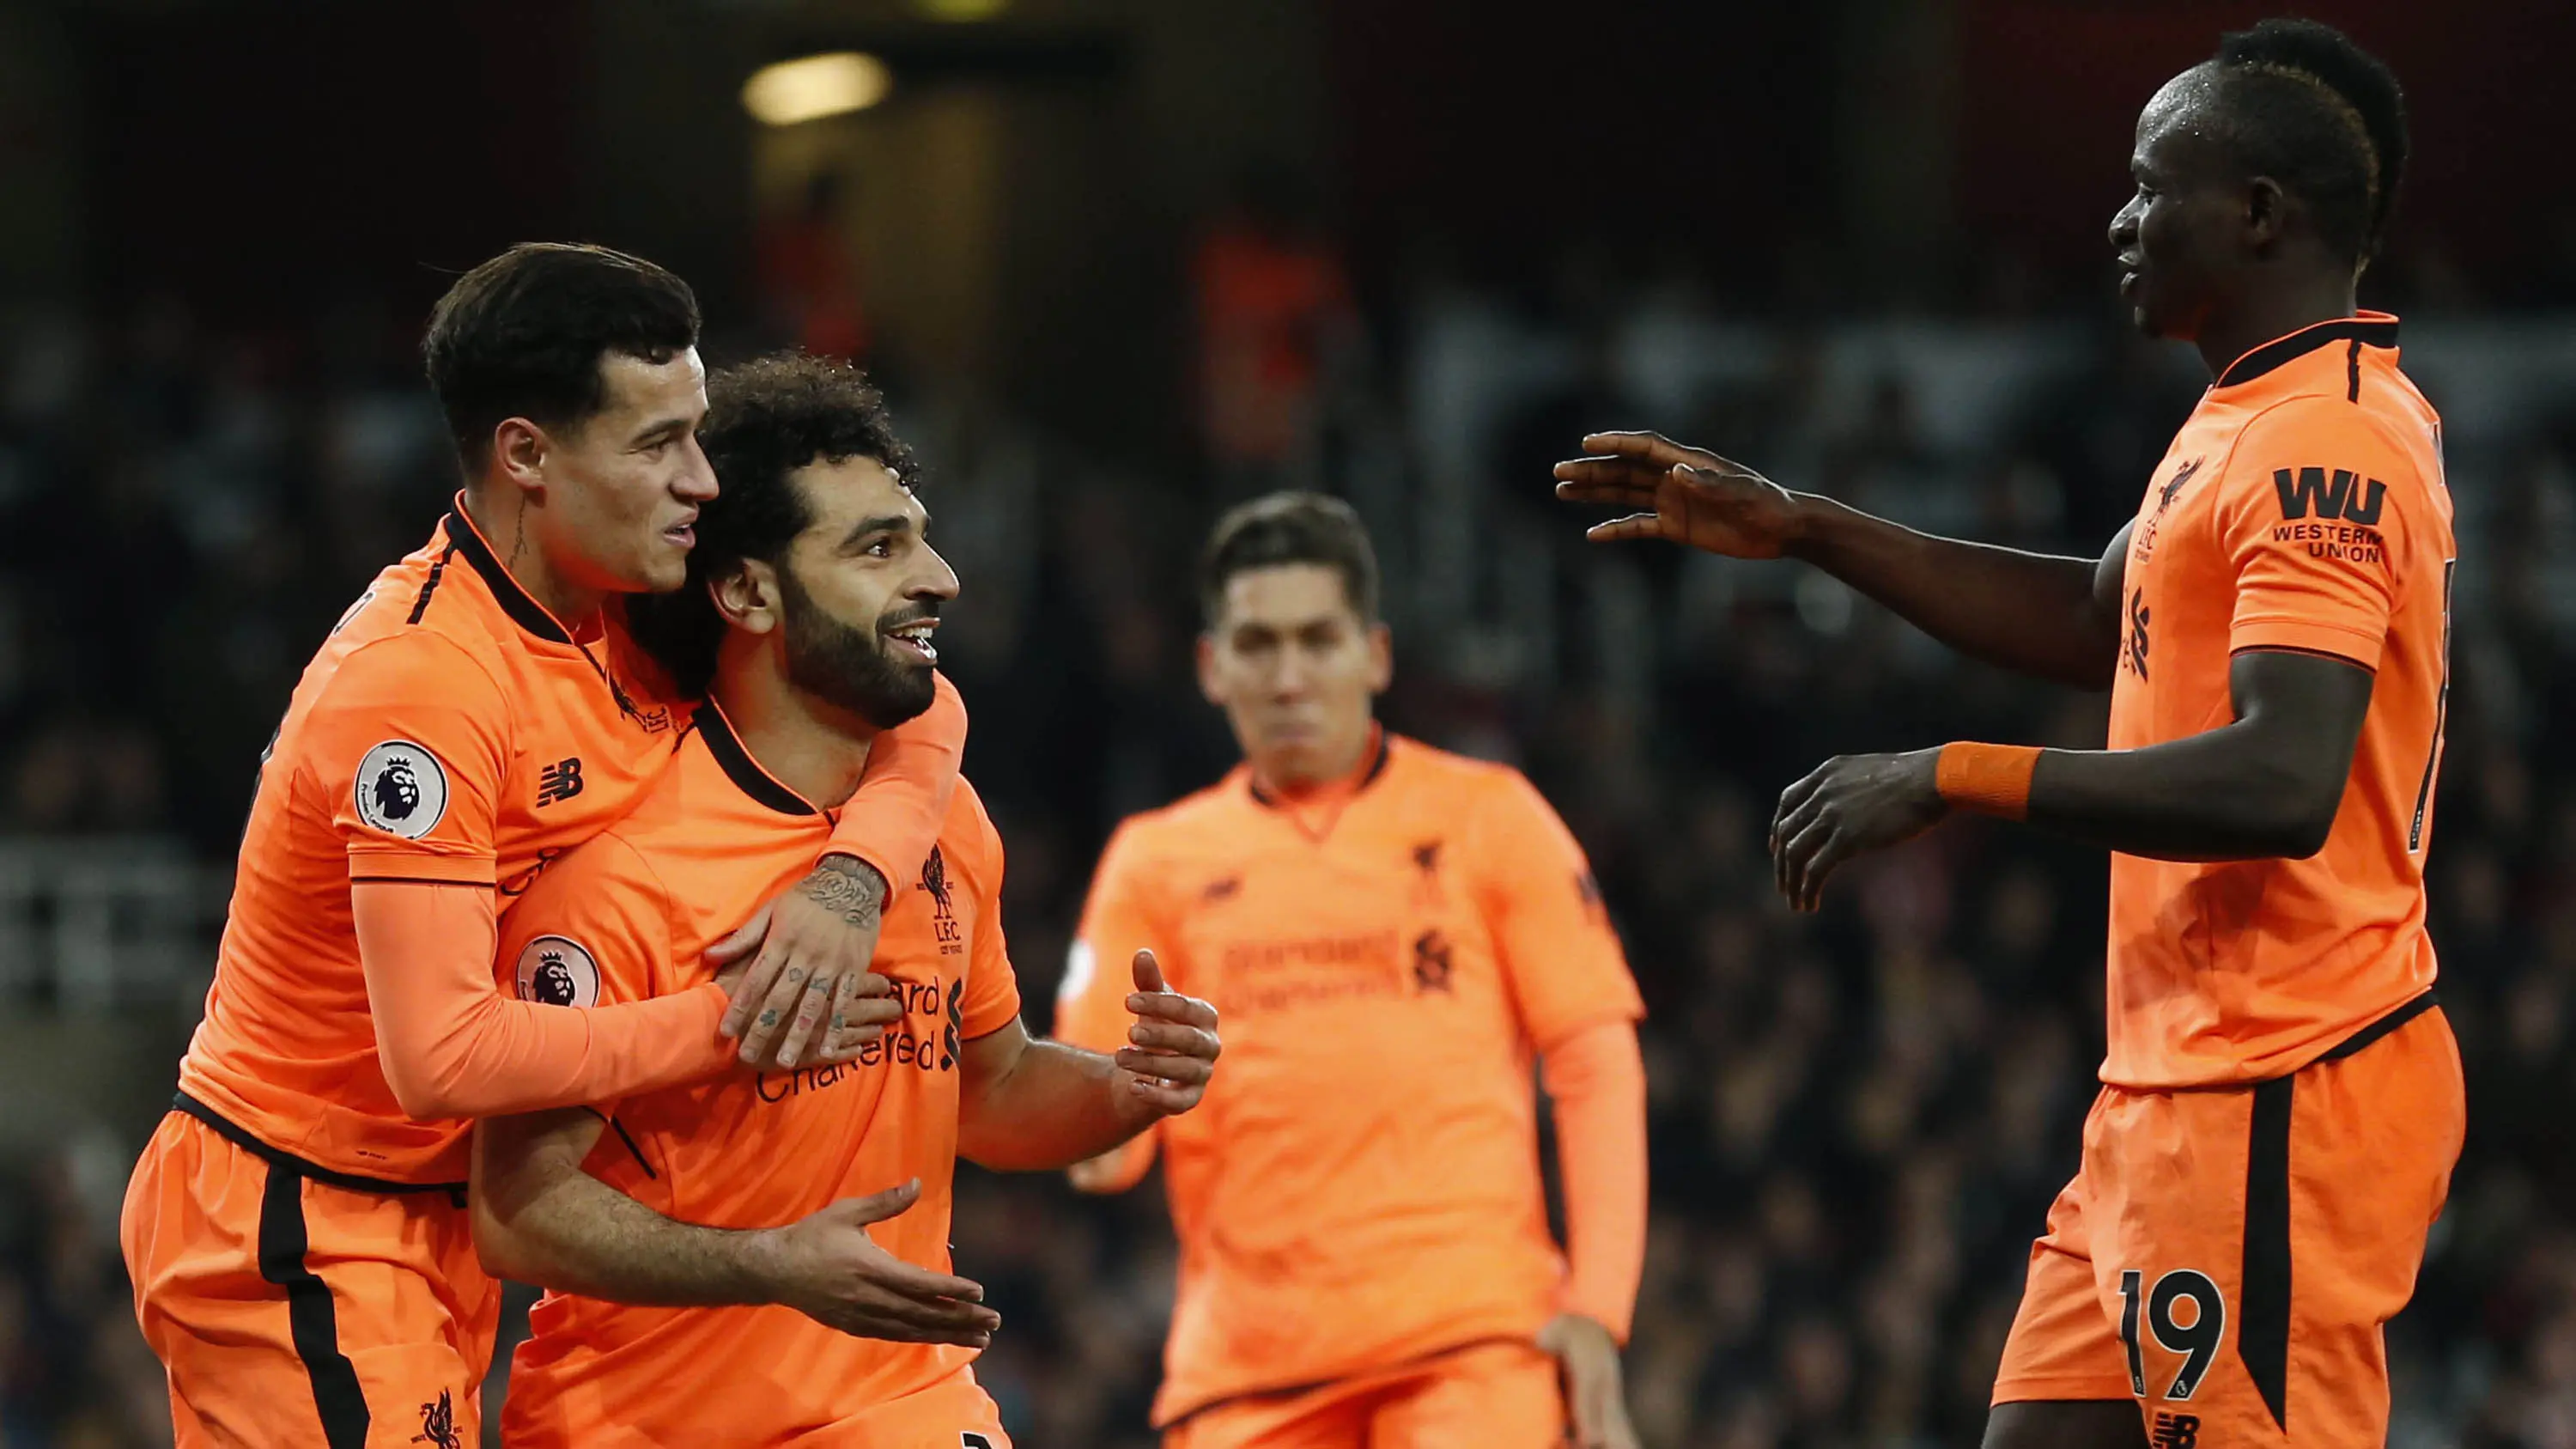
[[1855, 241]]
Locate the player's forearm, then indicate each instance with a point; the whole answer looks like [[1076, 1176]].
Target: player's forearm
[[2032, 613], [1597, 1082], [894, 819], [571, 1232], [2229, 794], [1056, 1106], [451, 1045]]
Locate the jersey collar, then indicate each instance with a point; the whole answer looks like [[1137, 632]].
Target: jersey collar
[[518, 603], [742, 769], [2366, 329]]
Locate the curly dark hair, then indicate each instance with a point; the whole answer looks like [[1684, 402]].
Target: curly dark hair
[[765, 419], [523, 334], [2307, 107]]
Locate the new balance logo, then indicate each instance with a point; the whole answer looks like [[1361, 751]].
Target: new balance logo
[[559, 781], [2175, 1431], [2329, 495]]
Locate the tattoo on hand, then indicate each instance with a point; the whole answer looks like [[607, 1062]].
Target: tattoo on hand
[[845, 884]]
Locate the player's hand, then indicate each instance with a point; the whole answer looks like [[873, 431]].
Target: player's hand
[[1849, 804], [808, 994], [828, 1268], [1686, 495], [1172, 1047], [1595, 1402]]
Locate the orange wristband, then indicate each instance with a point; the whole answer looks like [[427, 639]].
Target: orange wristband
[[1988, 779]]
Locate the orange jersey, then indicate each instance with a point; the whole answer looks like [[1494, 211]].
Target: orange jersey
[[450, 730], [629, 916], [2302, 507], [1360, 1186]]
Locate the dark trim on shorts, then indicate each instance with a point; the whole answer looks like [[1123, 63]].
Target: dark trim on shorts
[[311, 1319], [240, 1137], [2344, 659], [1290, 1391], [2383, 1027], [2352, 372], [2263, 1291]]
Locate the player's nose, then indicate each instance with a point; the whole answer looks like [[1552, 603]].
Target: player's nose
[[939, 581], [696, 482]]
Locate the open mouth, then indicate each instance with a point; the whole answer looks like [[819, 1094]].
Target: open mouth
[[912, 641], [683, 534]]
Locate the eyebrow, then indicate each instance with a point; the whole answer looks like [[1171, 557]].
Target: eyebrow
[[882, 523]]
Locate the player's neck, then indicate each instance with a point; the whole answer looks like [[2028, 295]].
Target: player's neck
[[813, 748], [502, 516], [1338, 780], [2276, 309]]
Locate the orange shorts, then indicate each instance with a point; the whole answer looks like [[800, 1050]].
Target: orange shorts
[[291, 1307], [1500, 1395], [2228, 1257], [953, 1413]]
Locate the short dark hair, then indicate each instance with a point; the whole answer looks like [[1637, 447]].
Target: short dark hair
[[1289, 528], [523, 334], [2306, 106], [765, 419]]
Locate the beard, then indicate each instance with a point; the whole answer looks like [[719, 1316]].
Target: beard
[[848, 667]]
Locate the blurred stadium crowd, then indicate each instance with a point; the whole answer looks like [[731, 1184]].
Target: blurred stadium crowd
[[1858, 1118]]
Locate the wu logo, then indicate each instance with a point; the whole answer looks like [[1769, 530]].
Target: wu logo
[[2341, 494]]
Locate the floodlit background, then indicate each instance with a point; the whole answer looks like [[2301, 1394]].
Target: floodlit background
[[1123, 261]]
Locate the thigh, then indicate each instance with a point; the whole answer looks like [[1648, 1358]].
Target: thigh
[[1330, 1416], [292, 1313], [954, 1413], [2264, 1237], [1492, 1396], [2063, 1347]]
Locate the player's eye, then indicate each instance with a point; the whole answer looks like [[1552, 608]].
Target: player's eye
[[879, 548]]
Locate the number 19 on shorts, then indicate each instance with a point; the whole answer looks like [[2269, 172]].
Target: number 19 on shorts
[[2185, 1315]]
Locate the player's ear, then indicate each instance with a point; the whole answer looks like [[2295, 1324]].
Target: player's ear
[[747, 595], [2266, 208], [519, 455], [1381, 648], [1207, 670]]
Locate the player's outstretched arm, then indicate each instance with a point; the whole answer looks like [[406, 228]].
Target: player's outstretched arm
[[2264, 787], [452, 1045], [2054, 617], [1030, 1106], [802, 996], [539, 1218]]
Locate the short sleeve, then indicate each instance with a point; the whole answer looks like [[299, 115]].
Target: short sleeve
[[1117, 922], [1559, 955], [594, 930], [992, 995], [409, 743], [2313, 518]]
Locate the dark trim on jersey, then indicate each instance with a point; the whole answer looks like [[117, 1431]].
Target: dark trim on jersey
[[225, 1128], [2363, 1038], [2352, 372], [741, 768], [437, 571], [2365, 331], [629, 1141], [311, 1320], [2263, 1292], [1377, 767], [421, 880], [516, 602], [2345, 659], [1284, 1391]]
